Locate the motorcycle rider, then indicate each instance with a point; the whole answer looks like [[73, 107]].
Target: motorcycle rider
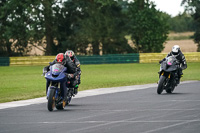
[[67, 62], [176, 51], [75, 79]]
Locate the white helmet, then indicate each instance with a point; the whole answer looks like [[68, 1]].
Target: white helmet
[[175, 49]]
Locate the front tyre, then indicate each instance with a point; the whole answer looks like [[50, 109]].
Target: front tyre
[[161, 84], [51, 100]]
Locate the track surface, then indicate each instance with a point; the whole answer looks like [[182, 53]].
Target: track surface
[[134, 111]]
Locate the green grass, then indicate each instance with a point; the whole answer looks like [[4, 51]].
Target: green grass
[[25, 82]]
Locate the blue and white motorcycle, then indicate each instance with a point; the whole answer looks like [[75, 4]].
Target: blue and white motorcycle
[[58, 93]]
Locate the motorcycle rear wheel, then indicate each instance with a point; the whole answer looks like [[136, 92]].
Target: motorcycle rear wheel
[[69, 100], [161, 84], [170, 90], [60, 106], [51, 100]]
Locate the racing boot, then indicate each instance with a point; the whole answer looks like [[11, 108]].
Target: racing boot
[[76, 89], [180, 78], [65, 101], [158, 76], [180, 74]]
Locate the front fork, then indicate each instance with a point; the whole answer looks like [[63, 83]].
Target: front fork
[[168, 75], [56, 87], [167, 79]]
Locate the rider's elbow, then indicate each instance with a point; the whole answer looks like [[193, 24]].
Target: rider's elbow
[[184, 66]]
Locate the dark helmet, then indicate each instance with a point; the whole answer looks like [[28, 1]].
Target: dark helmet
[[70, 53], [60, 58], [175, 50]]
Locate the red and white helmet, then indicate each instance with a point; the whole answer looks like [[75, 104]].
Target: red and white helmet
[[70, 53], [60, 58]]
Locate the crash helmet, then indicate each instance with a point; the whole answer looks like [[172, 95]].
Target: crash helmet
[[175, 50], [60, 58], [70, 53]]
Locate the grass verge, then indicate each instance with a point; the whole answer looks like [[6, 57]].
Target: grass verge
[[25, 82]]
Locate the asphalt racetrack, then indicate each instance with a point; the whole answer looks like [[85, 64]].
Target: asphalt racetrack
[[130, 111]]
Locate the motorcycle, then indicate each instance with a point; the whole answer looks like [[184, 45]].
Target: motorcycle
[[168, 75], [57, 77]]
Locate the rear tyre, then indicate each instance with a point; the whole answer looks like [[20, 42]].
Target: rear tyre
[[51, 100], [69, 100], [170, 90], [60, 106], [161, 84]]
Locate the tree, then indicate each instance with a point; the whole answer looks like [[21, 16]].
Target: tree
[[13, 28], [193, 7], [103, 27], [43, 24], [59, 25], [148, 27], [181, 23], [68, 22]]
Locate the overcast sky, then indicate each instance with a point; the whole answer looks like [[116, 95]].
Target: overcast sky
[[172, 7]]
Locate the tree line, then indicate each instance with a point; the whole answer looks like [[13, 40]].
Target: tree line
[[87, 26]]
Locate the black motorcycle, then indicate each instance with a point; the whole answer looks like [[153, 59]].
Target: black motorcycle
[[168, 75]]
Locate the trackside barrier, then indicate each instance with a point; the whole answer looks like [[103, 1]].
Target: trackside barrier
[[94, 59], [156, 57], [192, 57], [4, 61], [97, 59], [109, 59], [31, 60], [151, 57]]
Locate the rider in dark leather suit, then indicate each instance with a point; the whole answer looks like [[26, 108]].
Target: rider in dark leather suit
[[176, 51]]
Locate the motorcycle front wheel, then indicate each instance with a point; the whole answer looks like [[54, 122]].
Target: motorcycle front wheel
[[161, 84], [51, 100]]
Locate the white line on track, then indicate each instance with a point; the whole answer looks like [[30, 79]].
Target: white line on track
[[164, 121], [173, 125], [105, 122], [82, 94]]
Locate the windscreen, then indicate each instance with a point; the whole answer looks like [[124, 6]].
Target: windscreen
[[170, 60], [57, 68]]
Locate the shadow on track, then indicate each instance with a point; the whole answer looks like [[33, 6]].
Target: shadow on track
[[175, 93]]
